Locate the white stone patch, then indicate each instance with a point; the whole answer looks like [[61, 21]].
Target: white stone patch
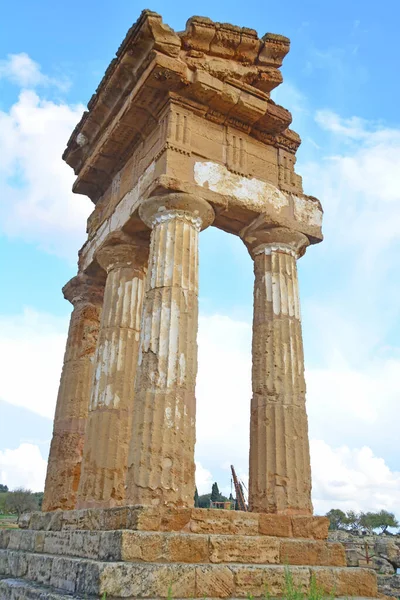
[[182, 369], [173, 361], [168, 417], [268, 285], [276, 294], [307, 211], [254, 192]]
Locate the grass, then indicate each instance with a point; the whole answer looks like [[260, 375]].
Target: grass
[[8, 522]]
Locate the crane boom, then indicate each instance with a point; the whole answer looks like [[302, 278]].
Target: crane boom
[[239, 491]]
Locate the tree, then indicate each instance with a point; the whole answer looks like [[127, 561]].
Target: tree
[[20, 501], [3, 502], [337, 519], [215, 493], [384, 519], [352, 521], [204, 501], [3, 488], [367, 521], [196, 498], [39, 498]]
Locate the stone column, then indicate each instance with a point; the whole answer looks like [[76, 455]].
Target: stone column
[[280, 473], [110, 413], [64, 466], [161, 462]]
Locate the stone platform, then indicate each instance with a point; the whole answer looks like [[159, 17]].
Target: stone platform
[[138, 552]]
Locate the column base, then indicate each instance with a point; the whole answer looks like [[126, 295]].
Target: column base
[[141, 552]]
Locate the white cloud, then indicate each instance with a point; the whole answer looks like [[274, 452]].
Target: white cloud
[[352, 478], [36, 201], [23, 71], [223, 394], [358, 183], [204, 479], [23, 467], [31, 355]]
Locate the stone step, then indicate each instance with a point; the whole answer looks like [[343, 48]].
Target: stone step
[[144, 580], [137, 546], [20, 589], [189, 520]]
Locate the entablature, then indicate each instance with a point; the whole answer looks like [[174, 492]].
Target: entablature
[[227, 71]]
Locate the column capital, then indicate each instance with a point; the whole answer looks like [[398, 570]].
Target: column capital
[[121, 250], [186, 207], [84, 289], [279, 239]]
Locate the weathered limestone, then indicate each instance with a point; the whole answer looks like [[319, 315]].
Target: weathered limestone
[[280, 474], [64, 466], [112, 400], [180, 134], [161, 461]]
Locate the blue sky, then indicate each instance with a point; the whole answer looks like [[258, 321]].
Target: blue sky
[[340, 84]]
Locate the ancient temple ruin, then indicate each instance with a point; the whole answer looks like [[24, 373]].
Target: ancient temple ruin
[[180, 135]]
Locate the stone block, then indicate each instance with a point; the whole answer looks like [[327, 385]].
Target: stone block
[[56, 542], [186, 548], [144, 519], [4, 562], [39, 568], [319, 553], [175, 519], [248, 582], [310, 527], [356, 582], [24, 521], [259, 581], [46, 521], [141, 546], [116, 518], [14, 539], [209, 521], [275, 525], [4, 537], [17, 589], [64, 574], [346, 581], [17, 564], [244, 549], [147, 581], [88, 577], [244, 523], [110, 547], [85, 544], [214, 581], [27, 540], [40, 537]]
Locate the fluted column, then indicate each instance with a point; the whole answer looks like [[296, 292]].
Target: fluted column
[[280, 473], [161, 462], [64, 465], [112, 400]]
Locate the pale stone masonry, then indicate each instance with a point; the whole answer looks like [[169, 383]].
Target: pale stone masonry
[[280, 474], [108, 431], [181, 135], [65, 459], [161, 463], [190, 139]]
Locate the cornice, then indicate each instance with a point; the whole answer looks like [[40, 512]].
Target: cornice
[[226, 70]]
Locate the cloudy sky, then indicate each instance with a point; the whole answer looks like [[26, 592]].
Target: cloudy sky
[[341, 85]]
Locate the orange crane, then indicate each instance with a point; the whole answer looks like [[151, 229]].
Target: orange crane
[[239, 491]]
